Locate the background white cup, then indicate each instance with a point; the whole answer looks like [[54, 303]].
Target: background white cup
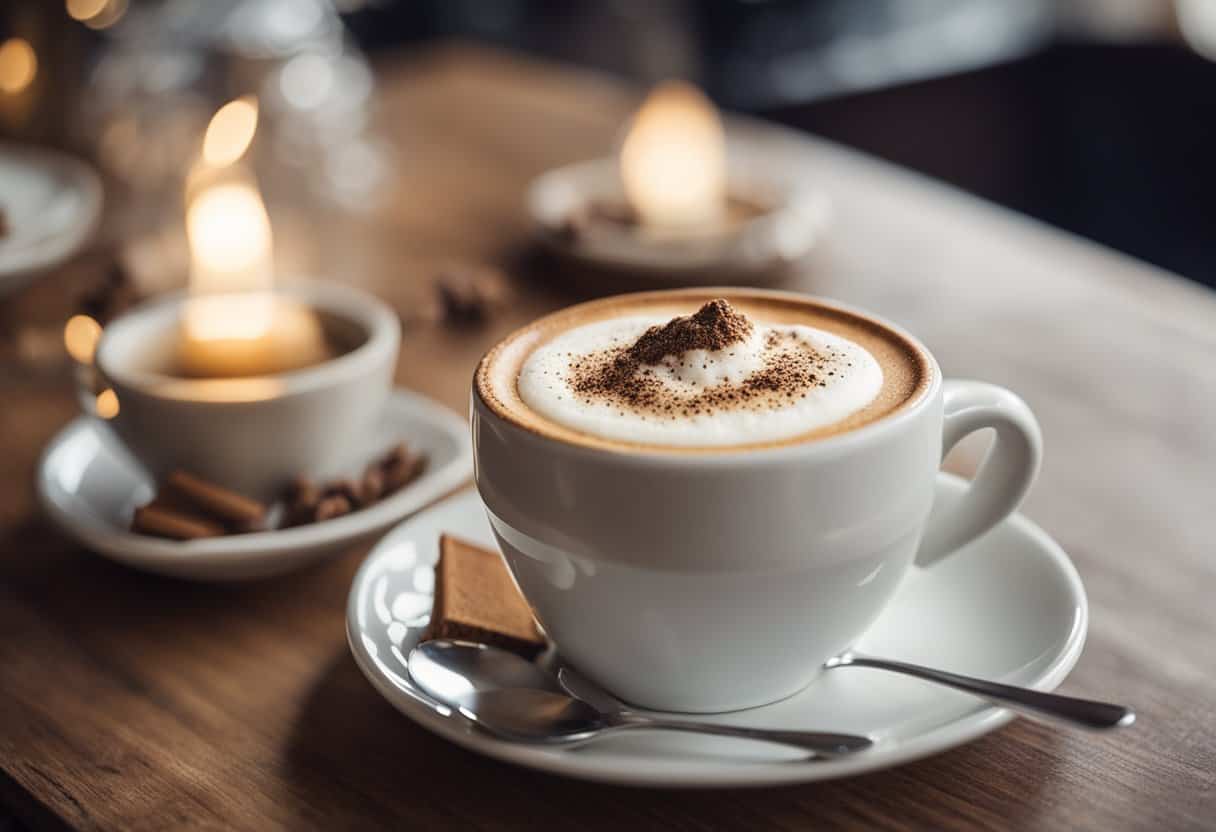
[[251, 434], [721, 581]]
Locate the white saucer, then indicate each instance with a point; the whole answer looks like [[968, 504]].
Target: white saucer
[[1008, 606], [89, 486], [51, 202]]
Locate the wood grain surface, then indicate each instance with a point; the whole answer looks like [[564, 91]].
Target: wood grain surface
[[134, 702]]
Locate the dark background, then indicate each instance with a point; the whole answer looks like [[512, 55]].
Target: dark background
[[1096, 116], [1096, 124], [1114, 143]]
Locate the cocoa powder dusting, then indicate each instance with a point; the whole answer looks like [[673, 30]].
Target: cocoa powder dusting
[[626, 375], [715, 325]]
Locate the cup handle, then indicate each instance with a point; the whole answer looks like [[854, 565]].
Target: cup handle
[[1004, 476]]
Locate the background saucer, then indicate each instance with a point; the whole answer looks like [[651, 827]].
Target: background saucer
[[760, 251], [51, 203], [89, 486], [1008, 606]]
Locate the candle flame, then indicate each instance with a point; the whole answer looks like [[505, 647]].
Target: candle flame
[[673, 161], [232, 267], [18, 65], [234, 325], [231, 131]]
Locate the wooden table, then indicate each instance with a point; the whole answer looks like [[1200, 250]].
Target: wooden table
[[133, 702]]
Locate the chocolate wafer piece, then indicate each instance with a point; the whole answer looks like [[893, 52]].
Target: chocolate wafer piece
[[476, 600]]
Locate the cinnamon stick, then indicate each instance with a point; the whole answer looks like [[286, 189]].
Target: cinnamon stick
[[221, 503], [163, 521]]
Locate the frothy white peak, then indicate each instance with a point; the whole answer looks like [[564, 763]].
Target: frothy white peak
[[851, 380]]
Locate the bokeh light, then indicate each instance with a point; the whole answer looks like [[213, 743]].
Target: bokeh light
[[80, 337], [97, 14], [107, 404], [18, 65], [83, 10]]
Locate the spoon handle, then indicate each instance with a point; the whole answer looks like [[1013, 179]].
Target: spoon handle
[[1087, 713], [821, 743]]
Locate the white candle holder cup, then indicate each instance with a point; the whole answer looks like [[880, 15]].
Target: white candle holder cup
[[252, 434]]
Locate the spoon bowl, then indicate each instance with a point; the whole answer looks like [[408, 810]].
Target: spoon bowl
[[536, 716], [454, 672], [516, 700]]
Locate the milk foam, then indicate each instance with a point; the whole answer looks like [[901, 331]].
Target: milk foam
[[845, 379]]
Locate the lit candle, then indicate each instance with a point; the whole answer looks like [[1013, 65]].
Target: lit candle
[[233, 323], [673, 161]]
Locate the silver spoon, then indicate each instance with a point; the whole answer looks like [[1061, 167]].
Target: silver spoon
[[1086, 713], [516, 700], [1083, 712]]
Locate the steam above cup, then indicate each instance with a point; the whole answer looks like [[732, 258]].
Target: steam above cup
[[251, 433]]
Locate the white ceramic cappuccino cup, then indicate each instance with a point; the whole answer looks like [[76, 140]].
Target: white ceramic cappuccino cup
[[722, 580], [251, 434]]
